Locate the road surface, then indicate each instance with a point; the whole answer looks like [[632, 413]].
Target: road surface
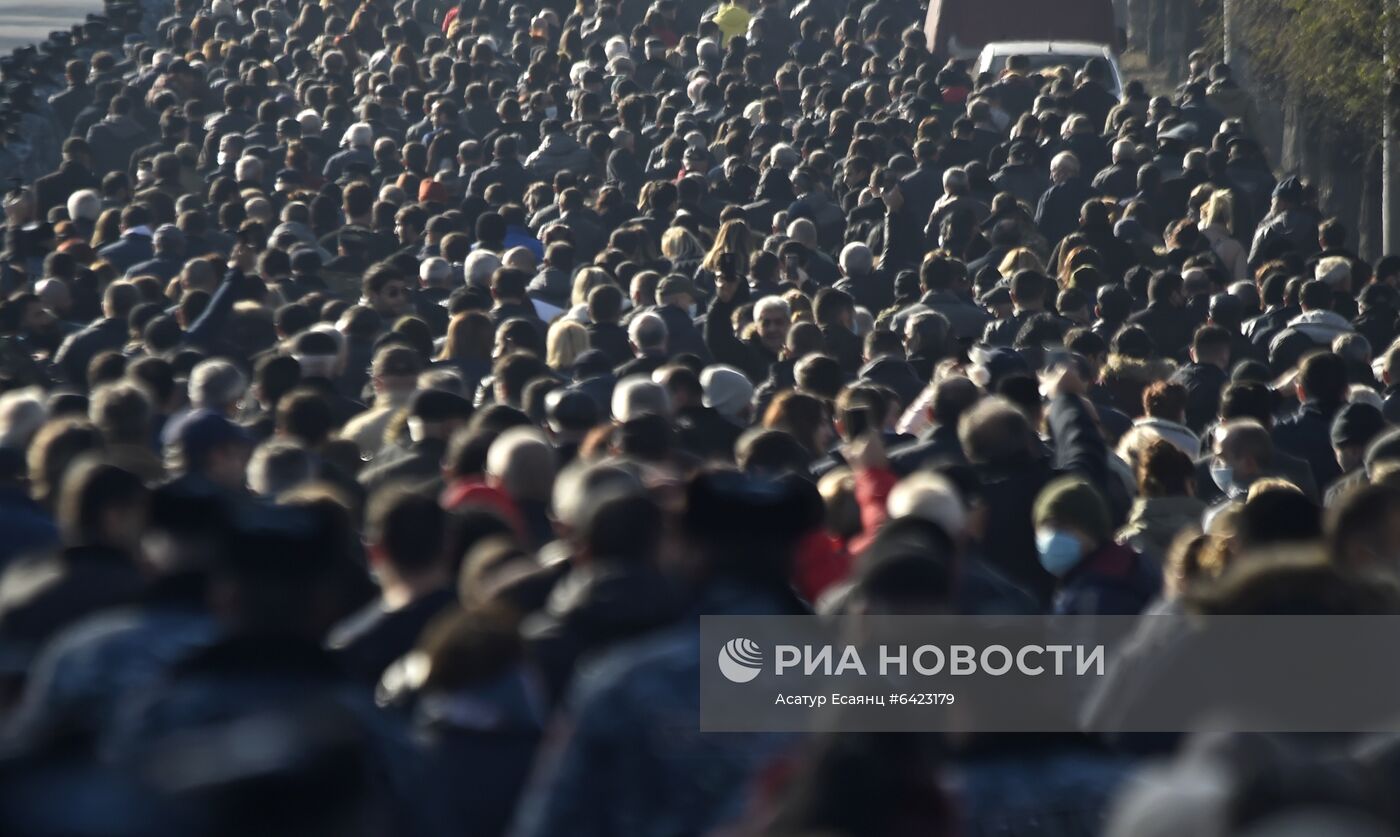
[[24, 23]]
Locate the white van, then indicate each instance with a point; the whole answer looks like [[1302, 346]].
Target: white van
[[1043, 54]]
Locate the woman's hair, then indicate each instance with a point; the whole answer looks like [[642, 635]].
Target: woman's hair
[[108, 228], [1163, 470], [585, 281], [1220, 210], [470, 334], [733, 239], [1022, 258], [800, 414], [679, 243], [567, 340]]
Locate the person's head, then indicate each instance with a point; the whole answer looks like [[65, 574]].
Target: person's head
[[1316, 295], [385, 289], [994, 431], [1322, 377], [566, 340], [1165, 400], [1071, 521], [521, 462], [122, 412], [1165, 288], [216, 385], [1163, 470], [406, 532], [278, 466], [394, 371], [102, 504], [1064, 167], [1353, 428], [1028, 290], [1243, 452], [508, 285], [773, 316], [1363, 529], [647, 334], [1276, 513], [1211, 345], [118, 300], [677, 291], [804, 417], [857, 260], [434, 414], [636, 396], [209, 445]]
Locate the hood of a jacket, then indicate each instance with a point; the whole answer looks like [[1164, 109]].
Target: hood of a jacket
[[1178, 434], [1123, 367], [123, 127], [1321, 326], [557, 145]]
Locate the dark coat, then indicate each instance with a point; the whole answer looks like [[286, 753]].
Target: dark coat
[[1170, 328], [1113, 580], [1204, 383], [1011, 487], [420, 463], [895, 373], [371, 640], [937, 444], [682, 337], [1057, 213], [1307, 434], [706, 434], [81, 347], [610, 339], [130, 249], [76, 581], [53, 190]]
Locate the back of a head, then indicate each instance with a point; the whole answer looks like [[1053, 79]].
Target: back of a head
[[278, 466], [406, 528], [993, 430], [92, 491], [1323, 378], [638, 395], [216, 384], [1277, 515], [522, 461]]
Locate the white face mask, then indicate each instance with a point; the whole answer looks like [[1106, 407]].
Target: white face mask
[[222, 158]]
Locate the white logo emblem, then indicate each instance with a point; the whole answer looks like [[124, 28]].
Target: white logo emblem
[[740, 660]]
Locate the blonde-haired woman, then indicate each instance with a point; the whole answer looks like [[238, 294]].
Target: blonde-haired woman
[[685, 252], [1217, 219], [566, 340], [1022, 258], [730, 253], [467, 347], [584, 283]]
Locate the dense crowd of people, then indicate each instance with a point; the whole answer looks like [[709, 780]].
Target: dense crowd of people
[[388, 388]]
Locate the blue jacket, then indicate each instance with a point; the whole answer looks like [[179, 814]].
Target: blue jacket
[[633, 760], [1111, 581], [130, 249]]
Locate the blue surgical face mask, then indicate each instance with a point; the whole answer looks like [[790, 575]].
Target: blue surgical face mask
[[1059, 551], [551, 112], [1224, 478]]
